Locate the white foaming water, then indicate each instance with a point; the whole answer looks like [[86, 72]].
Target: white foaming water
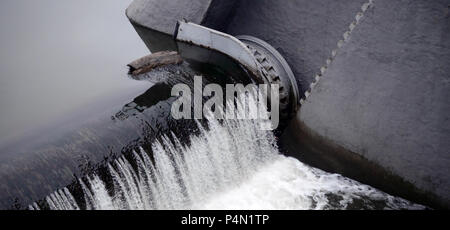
[[288, 184], [230, 165]]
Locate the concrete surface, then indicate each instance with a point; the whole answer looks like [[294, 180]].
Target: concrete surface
[[155, 20], [303, 31], [386, 96]]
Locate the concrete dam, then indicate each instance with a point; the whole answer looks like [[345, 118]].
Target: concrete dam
[[359, 99], [373, 78]]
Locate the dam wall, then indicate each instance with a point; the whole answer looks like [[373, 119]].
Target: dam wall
[[386, 96]]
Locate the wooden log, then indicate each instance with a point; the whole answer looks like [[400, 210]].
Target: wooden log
[[152, 61]]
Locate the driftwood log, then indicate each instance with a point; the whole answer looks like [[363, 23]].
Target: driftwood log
[[149, 62]]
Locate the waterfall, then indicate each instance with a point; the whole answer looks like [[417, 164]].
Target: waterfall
[[230, 164]]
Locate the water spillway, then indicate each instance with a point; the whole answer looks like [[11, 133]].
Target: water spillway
[[227, 165], [63, 153]]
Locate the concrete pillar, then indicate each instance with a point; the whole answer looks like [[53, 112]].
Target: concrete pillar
[[155, 20], [303, 31], [381, 111]]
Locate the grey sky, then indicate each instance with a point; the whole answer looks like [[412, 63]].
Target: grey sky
[[58, 55]]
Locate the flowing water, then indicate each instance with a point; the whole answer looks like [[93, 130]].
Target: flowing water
[[229, 164]]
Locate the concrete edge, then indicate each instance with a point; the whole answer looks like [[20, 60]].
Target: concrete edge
[[304, 144]]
